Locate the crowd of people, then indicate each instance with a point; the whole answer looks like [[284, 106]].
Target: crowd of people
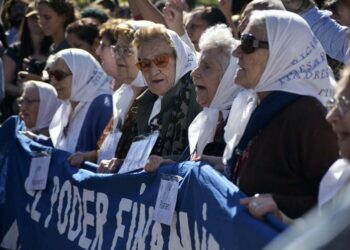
[[246, 91]]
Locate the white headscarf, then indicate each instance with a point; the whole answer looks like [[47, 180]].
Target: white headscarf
[[203, 127], [337, 176], [185, 62], [48, 105], [88, 82], [124, 95], [297, 64]]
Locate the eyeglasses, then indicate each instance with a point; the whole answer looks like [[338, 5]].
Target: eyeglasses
[[249, 43], [161, 61], [25, 101], [121, 51], [58, 75], [342, 104]]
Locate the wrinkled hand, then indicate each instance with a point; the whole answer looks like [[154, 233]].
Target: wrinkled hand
[[298, 6], [109, 166], [214, 161], [76, 159], [153, 163], [173, 16], [261, 204]]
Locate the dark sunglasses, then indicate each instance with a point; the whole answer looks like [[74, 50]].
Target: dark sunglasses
[[58, 75], [161, 61], [249, 43]]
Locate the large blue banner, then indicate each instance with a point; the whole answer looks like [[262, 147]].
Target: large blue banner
[[80, 209]]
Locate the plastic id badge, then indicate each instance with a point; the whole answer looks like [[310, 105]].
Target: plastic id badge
[[139, 152], [39, 169]]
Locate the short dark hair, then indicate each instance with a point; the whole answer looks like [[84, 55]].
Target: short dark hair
[[85, 29]]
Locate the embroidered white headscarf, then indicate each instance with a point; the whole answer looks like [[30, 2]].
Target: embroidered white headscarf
[[88, 82], [297, 64], [48, 105], [185, 62]]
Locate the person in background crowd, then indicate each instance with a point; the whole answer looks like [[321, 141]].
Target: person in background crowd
[[125, 54], [83, 34], [104, 51], [38, 104], [340, 11], [98, 14], [14, 11], [54, 17], [213, 79], [86, 106], [168, 105], [23, 61]]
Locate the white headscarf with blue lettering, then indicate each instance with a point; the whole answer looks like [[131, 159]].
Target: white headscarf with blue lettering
[[297, 64], [88, 82]]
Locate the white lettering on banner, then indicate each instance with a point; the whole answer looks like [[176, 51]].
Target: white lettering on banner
[[88, 218], [72, 234], [124, 205], [80, 210], [101, 219], [54, 196], [66, 192]]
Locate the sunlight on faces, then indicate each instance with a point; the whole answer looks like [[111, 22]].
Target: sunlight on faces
[[29, 106], [49, 20], [159, 79], [126, 61], [63, 86], [251, 66], [106, 57], [341, 123], [207, 75]]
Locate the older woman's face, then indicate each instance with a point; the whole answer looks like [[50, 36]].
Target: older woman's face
[[339, 118], [160, 79], [105, 55], [29, 106], [252, 65], [126, 58], [207, 75], [61, 79]]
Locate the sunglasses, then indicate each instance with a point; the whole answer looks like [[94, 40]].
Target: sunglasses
[[58, 75], [249, 43], [161, 61]]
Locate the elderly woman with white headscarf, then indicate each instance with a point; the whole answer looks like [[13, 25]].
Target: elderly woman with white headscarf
[[124, 98], [213, 79], [279, 144], [38, 104], [168, 105], [86, 106]]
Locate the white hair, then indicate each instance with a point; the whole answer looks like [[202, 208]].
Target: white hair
[[218, 37]]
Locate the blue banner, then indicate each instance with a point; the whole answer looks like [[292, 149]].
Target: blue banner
[[80, 209]]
